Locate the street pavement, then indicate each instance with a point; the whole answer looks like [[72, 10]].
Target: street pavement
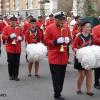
[[31, 88]]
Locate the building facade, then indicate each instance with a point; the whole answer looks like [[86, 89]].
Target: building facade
[[36, 7], [21, 6]]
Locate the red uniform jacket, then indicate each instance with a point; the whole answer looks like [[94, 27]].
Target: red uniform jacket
[[1, 27], [39, 23], [10, 48], [54, 55], [26, 26], [96, 35], [0, 38], [76, 30], [5, 23], [33, 37], [48, 22], [82, 42], [69, 33]]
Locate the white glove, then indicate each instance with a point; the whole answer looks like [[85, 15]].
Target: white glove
[[19, 38], [67, 40], [60, 40], [13, 35]]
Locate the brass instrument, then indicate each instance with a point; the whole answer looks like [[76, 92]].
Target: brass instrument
[[62, 46], [42, 27], [14, 42]]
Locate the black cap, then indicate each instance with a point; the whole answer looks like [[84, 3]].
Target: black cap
[[32, 20], [27, 17], [31, 17], [77, 17], [40, 16], [5, 16], [13, 18], [83, 23], [51, 15], [59, 15]]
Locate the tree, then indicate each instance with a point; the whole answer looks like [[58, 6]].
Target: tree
[[82, 7]]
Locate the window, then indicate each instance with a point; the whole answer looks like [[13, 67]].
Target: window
[[30, 4], [16, 4]]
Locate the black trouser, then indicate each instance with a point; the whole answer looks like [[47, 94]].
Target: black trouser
[[58, 75], [97, 76], [13, 64]]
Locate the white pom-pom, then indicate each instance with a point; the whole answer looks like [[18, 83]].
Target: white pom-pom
[[89, 56], [36, 52], [86, 58], [96, 51]]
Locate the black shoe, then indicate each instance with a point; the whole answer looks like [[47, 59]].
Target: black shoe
[[16, 79], [29, 75], [79, 92], [11, 78], [69, 62], [90, 94], [97, 86], [37, 76], [3, 95], [59, 98]]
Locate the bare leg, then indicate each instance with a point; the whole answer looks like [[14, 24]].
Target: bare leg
[[88, 80], [30, 68], [36, 68], [80, 79]]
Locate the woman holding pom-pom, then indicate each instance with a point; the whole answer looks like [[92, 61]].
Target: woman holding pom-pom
[[82, 40], [33, 35]]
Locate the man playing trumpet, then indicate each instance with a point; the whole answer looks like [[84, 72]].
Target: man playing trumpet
[[56, 38], [12, 35]]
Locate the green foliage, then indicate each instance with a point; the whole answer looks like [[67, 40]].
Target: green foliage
[[91, 10]]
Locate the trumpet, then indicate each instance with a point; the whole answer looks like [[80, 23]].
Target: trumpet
[[62, 46], [14, 42]]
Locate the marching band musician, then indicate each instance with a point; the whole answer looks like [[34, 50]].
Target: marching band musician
[[13, 37], [1, 29], [40, 23], [33, 35], [69, 33], [6, 21], [56, 38], [26, 24], [76, 27], [20, 22], [50, 20], [96, 37]]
